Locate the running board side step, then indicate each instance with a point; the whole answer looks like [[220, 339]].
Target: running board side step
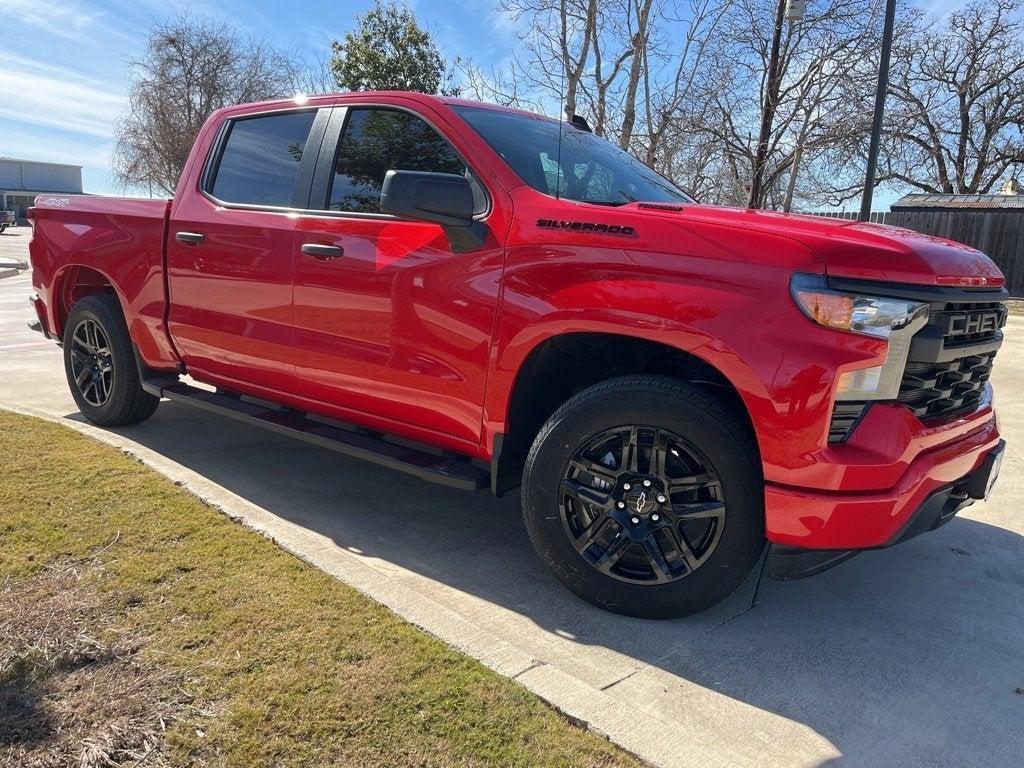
[[446, 470]]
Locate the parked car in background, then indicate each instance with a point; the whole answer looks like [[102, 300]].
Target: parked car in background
[[7, 219], [485, 297]]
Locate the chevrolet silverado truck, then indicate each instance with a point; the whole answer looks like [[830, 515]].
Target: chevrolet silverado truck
[[484, 297]]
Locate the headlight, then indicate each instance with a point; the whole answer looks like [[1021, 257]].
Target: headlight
[[895, 320], [872, 315]]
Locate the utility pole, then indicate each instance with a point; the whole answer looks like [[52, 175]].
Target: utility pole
[[767, 108], [876, 126]]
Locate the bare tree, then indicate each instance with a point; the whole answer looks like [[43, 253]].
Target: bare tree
[[613, 46], [558, 46], [495, 85], [640, 38], [313, 73], [676, 108], [773, 121], [955, 120], [190, 68], [589, 56], [690, 87]]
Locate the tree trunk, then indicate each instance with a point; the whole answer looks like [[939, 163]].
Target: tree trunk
[[635, 69]]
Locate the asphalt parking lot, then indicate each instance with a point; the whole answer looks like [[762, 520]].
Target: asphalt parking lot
[[912, 656]]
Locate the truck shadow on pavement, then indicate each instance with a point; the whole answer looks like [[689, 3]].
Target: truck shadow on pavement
[[910, 656]]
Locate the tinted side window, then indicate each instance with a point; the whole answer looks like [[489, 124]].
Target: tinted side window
[[376, 141], [261, 159]]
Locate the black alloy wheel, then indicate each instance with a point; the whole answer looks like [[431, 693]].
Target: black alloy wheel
[[99, 361], [642, 505], [644, 496], [91, 362]]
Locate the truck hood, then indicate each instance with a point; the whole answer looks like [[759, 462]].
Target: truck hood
[[856, 249]]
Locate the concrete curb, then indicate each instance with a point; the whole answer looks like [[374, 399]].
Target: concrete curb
[[658, 743]]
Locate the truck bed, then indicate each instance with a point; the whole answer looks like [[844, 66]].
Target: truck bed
[[120, 241]]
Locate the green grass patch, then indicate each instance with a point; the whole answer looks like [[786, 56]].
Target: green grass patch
[[253, 657]]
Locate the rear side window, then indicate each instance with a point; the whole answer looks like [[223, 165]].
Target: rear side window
[[378, 140], [260, 159]]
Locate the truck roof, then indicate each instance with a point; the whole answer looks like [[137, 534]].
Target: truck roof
[[343, 96]]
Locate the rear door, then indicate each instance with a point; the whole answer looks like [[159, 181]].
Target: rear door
[[390, 323], [229, 253]]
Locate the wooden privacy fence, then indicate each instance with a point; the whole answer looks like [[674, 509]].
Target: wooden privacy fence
[[993, 224]]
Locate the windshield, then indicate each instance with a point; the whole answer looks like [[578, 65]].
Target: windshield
[[587, 169]]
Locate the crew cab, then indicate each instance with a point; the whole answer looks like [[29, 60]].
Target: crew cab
[[485, 297]]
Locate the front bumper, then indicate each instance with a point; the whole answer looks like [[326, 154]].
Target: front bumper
[[915, 465], [938, 508]]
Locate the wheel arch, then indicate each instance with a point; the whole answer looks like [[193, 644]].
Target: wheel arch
[[558, 366], [72, 284]]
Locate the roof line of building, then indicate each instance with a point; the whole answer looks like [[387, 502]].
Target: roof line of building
[[38, 162], [22, 192]]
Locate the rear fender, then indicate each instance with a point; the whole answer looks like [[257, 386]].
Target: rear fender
[[88, 245]]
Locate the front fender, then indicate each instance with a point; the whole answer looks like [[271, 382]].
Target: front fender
[[785, 370]]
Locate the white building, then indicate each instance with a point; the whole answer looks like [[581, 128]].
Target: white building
[[22, 180]]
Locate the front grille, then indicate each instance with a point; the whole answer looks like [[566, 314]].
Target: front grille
[[950, 357], [964, 323], [943, 390]]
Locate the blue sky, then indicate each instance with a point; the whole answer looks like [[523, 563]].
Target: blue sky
[[63, 80]]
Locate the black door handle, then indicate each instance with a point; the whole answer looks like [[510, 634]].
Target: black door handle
[[189, 238], [323, 252]]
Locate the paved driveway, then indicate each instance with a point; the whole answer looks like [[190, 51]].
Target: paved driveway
[[912, 656]]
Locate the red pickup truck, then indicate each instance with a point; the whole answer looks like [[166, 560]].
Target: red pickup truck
[[485, 297]]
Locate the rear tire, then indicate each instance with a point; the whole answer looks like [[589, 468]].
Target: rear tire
[[694, 491], [99, 361]]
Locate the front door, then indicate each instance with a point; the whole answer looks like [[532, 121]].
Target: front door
[[390, 323], [229, 251]]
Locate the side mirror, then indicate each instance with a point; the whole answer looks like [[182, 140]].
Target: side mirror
[[442, 198]]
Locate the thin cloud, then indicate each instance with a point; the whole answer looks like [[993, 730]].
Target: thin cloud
[[34, 92], [24, 144], [62, 19]]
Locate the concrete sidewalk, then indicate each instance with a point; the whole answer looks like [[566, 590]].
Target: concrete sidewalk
[[903, 657]]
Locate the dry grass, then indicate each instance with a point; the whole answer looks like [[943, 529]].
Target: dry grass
[[1016, 307], [73, 690], [131, 607]]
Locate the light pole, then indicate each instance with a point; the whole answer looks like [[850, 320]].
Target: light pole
[[876, 125], [791, 11], [767, 108]]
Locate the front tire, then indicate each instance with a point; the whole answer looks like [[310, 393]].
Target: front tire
[[100, 365], [644, 496]]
